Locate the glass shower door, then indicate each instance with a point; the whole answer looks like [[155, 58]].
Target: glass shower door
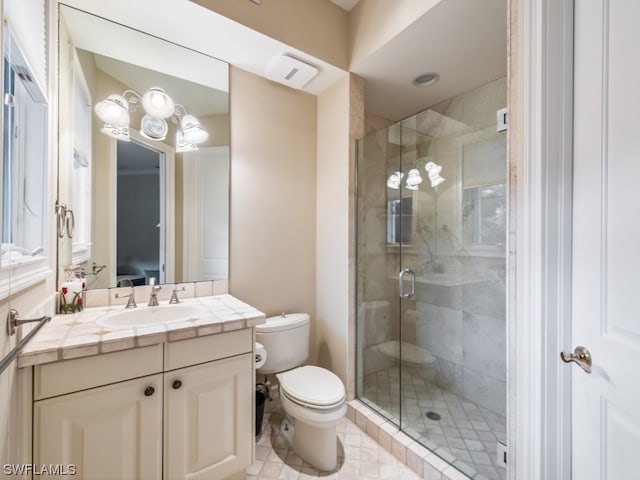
[[382, 227], [431, 295]]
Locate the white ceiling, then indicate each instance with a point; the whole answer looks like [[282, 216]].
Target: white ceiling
[[190, 25], [464, 41], [198, 99], [346, 4]]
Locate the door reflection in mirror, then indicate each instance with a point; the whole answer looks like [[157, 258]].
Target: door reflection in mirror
[[139, 222]]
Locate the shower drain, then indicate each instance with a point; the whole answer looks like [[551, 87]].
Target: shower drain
[[433, 416]]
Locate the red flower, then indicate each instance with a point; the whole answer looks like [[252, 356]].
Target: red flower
[[79, 300], [64, 290], [84, 285]]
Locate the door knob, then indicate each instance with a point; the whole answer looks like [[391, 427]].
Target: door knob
[[176, 384], [581, 356], [149, 391]]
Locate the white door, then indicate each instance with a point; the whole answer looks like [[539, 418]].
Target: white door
[[208, 419], [206, 214], [107, 433], [606, 240]]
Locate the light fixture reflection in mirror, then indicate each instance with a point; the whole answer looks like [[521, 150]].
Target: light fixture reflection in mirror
[[433, 169], [158, 105], [128, 75]]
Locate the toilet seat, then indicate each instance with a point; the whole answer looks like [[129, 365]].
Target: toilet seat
[[312, 387]]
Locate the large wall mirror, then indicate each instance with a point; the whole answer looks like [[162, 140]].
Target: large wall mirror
[[144, 156]]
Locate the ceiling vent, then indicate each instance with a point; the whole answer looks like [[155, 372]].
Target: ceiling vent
[[290, 71]]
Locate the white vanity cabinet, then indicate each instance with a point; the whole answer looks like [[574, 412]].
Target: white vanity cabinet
[[207, 412], [170, 411], [111, 432]]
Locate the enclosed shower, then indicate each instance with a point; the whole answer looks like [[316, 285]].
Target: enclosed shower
[[431, 316]]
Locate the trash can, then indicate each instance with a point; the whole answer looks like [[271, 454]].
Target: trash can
[[260, 399]]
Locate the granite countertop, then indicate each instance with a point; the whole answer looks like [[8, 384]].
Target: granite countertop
[[79, 335]]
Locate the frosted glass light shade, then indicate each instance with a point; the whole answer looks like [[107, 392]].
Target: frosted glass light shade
[[157, 103], [182, 145], [192, 130], [119, 133], [394, 180], [433, 168], [153, 128], [413, 178], [436, 180], [114, 110]]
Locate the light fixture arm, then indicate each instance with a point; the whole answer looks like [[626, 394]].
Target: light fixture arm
[[179, 113], [134, 99]]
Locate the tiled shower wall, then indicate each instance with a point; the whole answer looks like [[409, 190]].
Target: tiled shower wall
[[459, 310]]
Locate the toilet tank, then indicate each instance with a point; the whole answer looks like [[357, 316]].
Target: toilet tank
[[286, 340]]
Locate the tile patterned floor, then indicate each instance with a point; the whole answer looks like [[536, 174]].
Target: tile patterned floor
[[359, 456], [466, 434]]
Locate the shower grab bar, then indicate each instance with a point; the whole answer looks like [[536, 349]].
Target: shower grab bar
[[12, 322], [401, 284]]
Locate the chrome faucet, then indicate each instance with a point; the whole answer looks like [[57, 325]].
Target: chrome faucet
[[174, 295], [153, 296], [131, 303]]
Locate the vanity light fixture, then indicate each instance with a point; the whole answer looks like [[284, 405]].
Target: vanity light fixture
[[413, 179], [114, 110], [394, 180], [120, 133], [192, 130], [153, 128], [433, 169], [157, 105], [182, 145]]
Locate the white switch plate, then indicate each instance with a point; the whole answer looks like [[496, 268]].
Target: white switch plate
[[501, 119]]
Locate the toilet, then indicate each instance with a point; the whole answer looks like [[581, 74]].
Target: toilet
[[313, 398]]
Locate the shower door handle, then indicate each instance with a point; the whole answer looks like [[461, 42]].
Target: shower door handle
[[401, 275]]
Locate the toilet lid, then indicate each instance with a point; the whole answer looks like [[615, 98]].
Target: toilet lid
[[313, 386], [283, 322]]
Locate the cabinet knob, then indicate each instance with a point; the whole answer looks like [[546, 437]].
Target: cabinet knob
[[149, 391], [176, 384]]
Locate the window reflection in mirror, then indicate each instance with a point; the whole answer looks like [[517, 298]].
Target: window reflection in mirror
[[484, 192], [82, 165], [24, 157], [400, 217]]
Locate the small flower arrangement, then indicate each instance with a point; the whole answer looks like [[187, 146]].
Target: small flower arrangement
[[71, 302]]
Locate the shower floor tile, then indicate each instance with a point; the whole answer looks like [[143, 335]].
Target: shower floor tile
[[457, 429]]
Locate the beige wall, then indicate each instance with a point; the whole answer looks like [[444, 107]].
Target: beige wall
[[372, 23], [316, 27], [273, 195], [332, 229], [340, 122]]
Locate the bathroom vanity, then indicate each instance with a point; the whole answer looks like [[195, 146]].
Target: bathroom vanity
[[149, 401]]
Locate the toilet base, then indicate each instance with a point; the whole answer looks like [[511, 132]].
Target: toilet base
[[316, 446]]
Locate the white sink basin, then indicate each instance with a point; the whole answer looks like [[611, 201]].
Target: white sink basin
[[150, 315]]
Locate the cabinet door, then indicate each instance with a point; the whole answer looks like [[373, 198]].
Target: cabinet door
[[208, 419], [111, 433]]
